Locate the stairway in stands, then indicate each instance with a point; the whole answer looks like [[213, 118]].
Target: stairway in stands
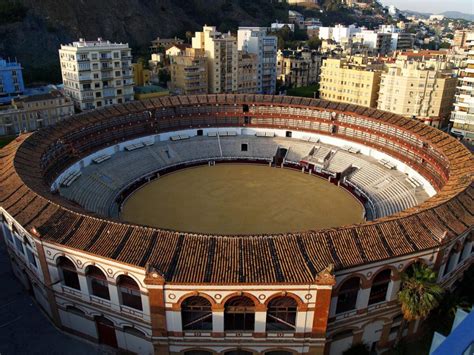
[[279, 156]]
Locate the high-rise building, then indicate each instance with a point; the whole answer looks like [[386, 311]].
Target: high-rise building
[[255, 40], [97, 73], [189, 72], [247, 73], [11, 80], [222, 59], [422, 90], [462, 117], [353, 80]]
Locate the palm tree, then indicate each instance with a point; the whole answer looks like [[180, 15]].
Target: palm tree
[[419, 294]]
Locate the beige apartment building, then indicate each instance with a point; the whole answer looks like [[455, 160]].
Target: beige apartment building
[[189, 72], [33, 112], [423, 90], [353, 80], [247, 76], [298, 68], [222, 59]]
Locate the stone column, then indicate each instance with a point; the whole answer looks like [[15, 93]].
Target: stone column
[[114, 295], [218, 320], [84, 286], [363, 298], [260, 321]]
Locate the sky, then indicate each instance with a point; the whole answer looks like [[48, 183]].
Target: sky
[[433, 6]]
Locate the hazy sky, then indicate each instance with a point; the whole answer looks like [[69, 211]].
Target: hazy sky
[[433, 6]]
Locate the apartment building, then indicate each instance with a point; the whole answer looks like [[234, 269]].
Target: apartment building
[[298, 68], [97, 73], [379, 42], [159, 45], [189, 72], [462, 118], [399, 40], [255, 40], [222, 59], [29, 113], [423, 90], [11, 80], [353, 80], [247, 73]]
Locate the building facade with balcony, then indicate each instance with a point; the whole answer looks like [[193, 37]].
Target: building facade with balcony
[[352, 80], [423, 90], [97, 73], [29, 113], [298, 68], [462, 118], [189, 72], [222, 59], [11, 80], [256, 41]]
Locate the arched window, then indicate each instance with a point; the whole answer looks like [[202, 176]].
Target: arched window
[[239, 314], [196, 314], [281, 314], [278, 352], [69, 273], [74, 310], [129, 292], [97, 282], [378, 292], [347, 296]]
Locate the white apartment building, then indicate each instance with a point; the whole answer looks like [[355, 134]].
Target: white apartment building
[[255, 40], [222, 59], [97, 73], [379, 42], [338, 32], [400, 40], [462, 118]]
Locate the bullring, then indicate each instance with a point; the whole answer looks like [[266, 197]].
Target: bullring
[[150, 290]]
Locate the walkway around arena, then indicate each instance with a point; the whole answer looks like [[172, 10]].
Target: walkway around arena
[[25, 329]]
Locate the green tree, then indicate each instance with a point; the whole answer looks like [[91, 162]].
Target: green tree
[[419, 294], [314, 43]]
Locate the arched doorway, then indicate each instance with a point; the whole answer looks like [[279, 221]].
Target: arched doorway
[[106, 331]]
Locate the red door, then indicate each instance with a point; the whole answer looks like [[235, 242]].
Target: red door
[[106, 332]]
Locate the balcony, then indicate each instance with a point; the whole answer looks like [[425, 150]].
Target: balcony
[[71, 291], [100, 301], [131, 312]]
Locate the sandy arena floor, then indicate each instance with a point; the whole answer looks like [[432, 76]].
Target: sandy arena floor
[[241, 199]]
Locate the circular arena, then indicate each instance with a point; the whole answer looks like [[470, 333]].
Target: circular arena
[[358, 196]]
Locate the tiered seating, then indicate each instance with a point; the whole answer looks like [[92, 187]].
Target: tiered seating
[[179, 137], [390, 190], [340, 162], [101, 159], [71, 178], [387, 164], [135, 146]]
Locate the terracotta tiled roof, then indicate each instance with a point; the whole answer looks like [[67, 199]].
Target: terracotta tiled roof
[[32, 162]]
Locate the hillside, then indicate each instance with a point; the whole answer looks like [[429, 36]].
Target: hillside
[[33, 30]]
